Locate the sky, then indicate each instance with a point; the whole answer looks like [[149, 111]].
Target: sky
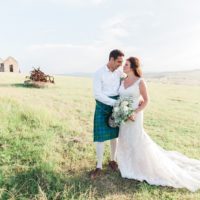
[[67, 36]]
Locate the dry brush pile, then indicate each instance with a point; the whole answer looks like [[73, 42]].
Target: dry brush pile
[[38, 78]]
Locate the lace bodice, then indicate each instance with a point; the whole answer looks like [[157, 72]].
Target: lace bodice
[[132, 91]]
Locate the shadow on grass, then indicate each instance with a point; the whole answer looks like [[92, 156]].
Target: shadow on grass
[[32, 183], [74, 185], [112, 185], [22, 85], [17, 85]]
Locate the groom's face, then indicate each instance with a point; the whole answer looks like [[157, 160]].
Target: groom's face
[[117, 62]]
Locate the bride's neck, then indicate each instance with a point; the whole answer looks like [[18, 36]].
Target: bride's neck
[[131, 76]]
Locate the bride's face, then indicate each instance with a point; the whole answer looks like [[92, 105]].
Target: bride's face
[[127, 67]]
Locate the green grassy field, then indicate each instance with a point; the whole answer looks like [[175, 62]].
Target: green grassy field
[[46, 146]]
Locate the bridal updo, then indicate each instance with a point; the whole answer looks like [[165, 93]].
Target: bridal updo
[[135, 66]]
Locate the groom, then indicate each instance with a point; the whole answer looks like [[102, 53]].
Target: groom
[[106, 86]]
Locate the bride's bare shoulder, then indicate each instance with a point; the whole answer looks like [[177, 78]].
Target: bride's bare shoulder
[[142, 82]]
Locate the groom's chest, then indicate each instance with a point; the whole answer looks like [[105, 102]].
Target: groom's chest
[[111, 79]]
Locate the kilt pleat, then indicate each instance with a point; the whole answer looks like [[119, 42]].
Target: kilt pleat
[[102, 131]]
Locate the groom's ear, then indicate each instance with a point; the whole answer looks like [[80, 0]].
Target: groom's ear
[[112, 59]]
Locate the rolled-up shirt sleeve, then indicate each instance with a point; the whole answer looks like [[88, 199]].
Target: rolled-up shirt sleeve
[[97, 90]]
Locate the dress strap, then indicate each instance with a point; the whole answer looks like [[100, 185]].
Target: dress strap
[[138, 81]]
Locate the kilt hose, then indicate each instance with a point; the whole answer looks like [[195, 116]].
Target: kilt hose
[[102, 131]]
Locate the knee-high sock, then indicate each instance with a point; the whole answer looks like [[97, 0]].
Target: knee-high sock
[[113, 148], [99, 151]]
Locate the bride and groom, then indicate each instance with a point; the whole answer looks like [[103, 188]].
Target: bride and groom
[[132, 151]]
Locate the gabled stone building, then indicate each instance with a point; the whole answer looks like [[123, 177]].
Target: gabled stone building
[[9, 65]]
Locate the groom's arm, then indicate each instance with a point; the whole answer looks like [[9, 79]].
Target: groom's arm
[[98, 93]]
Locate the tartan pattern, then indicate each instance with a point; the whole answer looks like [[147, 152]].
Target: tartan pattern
[[102, 131]]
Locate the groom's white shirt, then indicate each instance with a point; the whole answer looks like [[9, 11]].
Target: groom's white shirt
[[106, 83]]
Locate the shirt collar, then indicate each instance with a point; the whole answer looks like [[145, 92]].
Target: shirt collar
[[106, 68]]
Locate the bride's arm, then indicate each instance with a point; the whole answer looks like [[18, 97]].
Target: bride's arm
[[144, 94]]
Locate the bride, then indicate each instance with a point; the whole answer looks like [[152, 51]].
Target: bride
[[138, 156]]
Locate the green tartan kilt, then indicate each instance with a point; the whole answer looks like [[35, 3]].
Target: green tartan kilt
[[102, 131]]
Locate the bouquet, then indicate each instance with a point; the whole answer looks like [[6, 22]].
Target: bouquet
[[121, 111]]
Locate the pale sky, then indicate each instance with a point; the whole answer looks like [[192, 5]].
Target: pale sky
[[66, 36]]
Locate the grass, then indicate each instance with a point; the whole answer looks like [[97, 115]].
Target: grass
[[46, 147]]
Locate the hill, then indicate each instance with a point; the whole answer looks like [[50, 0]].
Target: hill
[[182, 77], [191, 77]]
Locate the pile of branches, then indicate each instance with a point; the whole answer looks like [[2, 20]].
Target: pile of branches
[[38, 76]]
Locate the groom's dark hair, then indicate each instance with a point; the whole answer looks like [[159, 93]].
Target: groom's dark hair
[[115, 54]]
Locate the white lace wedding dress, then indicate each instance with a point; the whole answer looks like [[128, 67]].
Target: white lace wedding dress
[[140, 158]]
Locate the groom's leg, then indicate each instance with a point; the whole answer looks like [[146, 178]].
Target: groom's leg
[[113, 148], [100, 152]]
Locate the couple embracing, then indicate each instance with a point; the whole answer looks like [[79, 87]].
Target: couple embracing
[[133, 152]]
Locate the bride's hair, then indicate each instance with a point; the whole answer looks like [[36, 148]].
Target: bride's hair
[[135, 66]]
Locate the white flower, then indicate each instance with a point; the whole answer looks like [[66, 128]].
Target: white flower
[[125, 103], [116, 109], [123, 75], [125, 108]]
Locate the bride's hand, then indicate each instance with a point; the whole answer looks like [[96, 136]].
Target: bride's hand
[[132, 117], [141, 102]]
